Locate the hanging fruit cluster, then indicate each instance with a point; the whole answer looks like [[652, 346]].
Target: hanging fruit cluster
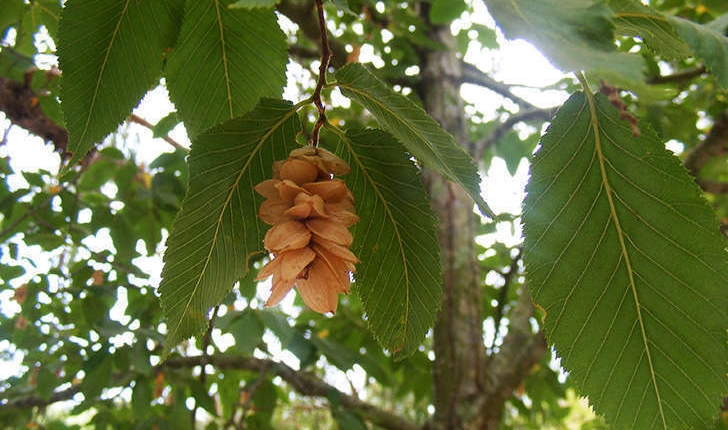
[[310, 212]]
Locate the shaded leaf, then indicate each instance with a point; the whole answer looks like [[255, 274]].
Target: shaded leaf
[[224, 61], [253, 3], [165, 125], [399, 279], [709, 45], [635, 19], [444, 11], [111, 53], [417, 131], [626, 259], [217, 228], [573, 34]]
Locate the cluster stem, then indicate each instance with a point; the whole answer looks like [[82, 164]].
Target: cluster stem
[[323, 67]]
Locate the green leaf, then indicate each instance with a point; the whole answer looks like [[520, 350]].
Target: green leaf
[[416, 130], [110, 52], [635, 19], [444, 11], [224, 61], [709, 45], [573, 34], [165, 125], [247, 330], [399, 279], [250, 4], [626, 259], [217, 227]]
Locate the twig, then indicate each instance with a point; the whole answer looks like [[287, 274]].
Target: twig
[[684, 75], [473, 75], [141, 121], [251, 392], [30, 212], [494, 136], [503, 296], [206, 339], [325, 58], [521, 350], [715, 187], [715, 144]]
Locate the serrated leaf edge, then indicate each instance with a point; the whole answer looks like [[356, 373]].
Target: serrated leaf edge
[[218, 223], [594, 122], [346, 141], [114, 34], [448, 172]]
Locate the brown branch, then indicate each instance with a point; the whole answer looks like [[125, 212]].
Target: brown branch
[[473, 75], [22, 108], [141, 121], [714, 145], [521, 350], [503, 296], [34, 401], [679, 77], [715, 187], [304, 383], [494, 136]]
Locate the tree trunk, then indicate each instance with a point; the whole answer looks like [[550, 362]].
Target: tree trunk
[[458, 334], [471, 388]]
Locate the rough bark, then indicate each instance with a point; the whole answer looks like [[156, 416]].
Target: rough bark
[[458, 334]]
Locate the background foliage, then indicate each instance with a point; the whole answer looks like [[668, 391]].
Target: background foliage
[[622, 251]]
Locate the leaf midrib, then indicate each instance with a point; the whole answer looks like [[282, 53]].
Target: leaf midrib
[[445, 166], [395, 227], [594, 122], [94, 97], [225, 64], [228, 198]]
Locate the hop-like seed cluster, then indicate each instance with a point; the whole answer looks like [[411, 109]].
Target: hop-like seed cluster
[[310, 213]]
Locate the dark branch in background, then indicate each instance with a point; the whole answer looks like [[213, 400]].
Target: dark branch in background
[[678, 77], [304, 383], [494, 136], [503, 296], [143, 122], [206, 340], [475, 76], [714, 145], [715, 187], [22, 108], [521, 350], [325, 58]]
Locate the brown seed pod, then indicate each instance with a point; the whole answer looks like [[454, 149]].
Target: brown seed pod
[[309, 212]]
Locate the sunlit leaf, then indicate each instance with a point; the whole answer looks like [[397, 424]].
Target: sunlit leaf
[[635, 19], [709, 45], [224, 61], [573, 34], [111, 53], [217, 228], [625, 257], [398, 279], [417, 131]]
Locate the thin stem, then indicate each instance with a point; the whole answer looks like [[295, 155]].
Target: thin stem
[[141, 121], [325, 58]]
